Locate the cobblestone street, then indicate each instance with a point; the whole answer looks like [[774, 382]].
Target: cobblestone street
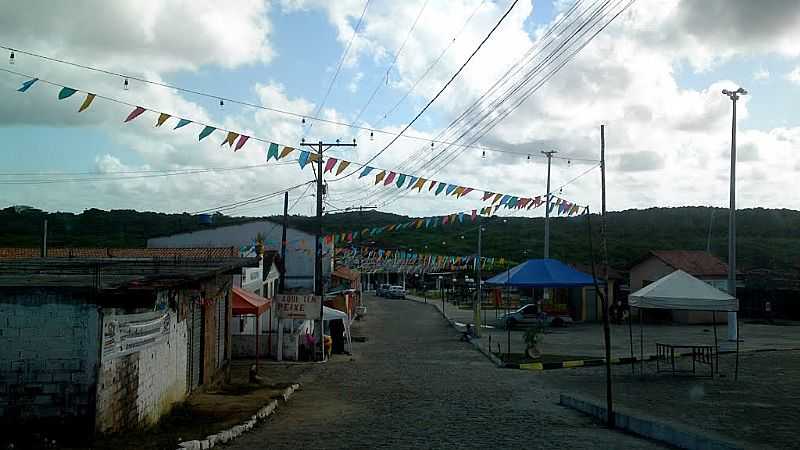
[[414, 385]]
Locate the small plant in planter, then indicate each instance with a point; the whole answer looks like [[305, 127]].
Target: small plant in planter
[[532, 338]]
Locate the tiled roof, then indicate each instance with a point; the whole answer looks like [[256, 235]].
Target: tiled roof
[[199, 253], [696, 263]]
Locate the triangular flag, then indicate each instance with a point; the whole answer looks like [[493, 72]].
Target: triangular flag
[[467, 190], [273, 151], [418, 224], [65, 92], [27, 85], [440, 188], [496, 198], [459, 190], [86, 102], [504, 200], [487, 194], [329, 164], [389, 179], [445, 219], [240, 144], [342, 166], [461, 217], [135, 113], [379, 177], [474, 214], [313, 157], [230, 138], [401, 180], [285, 152], [303, 160], [411, 180], [433, 183], [419, 184], [206, 131], [162, 117], [451, 188], [366, 172], [182, 123]]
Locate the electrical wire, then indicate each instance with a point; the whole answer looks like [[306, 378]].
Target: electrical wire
[[438, 94], [342, 60], [313, 117], [259, 198], [392, 64]]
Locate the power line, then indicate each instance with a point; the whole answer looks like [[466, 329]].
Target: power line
[[438, 94], [229, 100], [342, 60], [394, 61], [259, 198]]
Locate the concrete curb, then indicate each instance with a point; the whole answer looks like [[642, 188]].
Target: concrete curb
[[232, 433], [618, 361], [493, 358], [676, 435]]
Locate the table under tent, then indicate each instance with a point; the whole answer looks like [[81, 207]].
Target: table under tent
[[681, 291]]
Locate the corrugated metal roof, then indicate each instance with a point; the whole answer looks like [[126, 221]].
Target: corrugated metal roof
[[693, 262]]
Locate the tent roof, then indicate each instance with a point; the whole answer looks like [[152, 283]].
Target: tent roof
[[544, 273], [246, 302], [333, 314], [679, 290]]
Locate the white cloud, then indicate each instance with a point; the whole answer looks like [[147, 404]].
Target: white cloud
[[761, 74], [794, 75], [352, 86]]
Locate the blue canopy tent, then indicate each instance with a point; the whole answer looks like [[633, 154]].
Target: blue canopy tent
[[542, 273]]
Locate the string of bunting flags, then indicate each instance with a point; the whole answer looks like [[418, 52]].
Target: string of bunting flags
[[369, 259], [237, 140]]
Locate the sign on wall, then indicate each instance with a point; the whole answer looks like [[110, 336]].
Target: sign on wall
[[130, 333], [300, 307]]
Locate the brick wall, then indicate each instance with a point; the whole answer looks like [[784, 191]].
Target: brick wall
[[48, 355], [136, 389]]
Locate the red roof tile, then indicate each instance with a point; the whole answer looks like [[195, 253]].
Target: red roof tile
[[696, 263], [199, 253]]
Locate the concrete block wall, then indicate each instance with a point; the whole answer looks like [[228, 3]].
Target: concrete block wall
[[135, 390], [49, 348]]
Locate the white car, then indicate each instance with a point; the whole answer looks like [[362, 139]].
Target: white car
[[396, 292], [529, 314]]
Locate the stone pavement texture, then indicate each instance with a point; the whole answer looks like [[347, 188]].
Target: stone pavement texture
[[414, 385], [586, 339], [759, 410]]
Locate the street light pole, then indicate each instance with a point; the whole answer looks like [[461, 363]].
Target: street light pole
[[733, 335], [476, 307]]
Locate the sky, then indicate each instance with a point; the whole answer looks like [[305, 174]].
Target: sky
[[653, 77]]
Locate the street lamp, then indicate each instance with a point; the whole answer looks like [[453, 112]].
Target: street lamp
[[733, 333]]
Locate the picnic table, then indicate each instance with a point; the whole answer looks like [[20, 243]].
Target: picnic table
[[700, 353]]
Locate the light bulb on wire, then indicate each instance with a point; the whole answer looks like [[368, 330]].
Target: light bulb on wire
[[11, 58], [125, 85]]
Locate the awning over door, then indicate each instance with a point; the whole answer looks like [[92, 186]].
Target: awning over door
[[245, 303]]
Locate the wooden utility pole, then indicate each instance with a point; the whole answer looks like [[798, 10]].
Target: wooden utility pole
[[549, 155], [282, 279], [318, 281], [604, 298]]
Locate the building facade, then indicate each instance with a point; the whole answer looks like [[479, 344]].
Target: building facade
[[299, 263]]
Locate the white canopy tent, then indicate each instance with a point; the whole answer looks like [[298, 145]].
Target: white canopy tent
[[681, 291], [329, 314]]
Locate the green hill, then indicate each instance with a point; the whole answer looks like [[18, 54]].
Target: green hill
[[767, 238]]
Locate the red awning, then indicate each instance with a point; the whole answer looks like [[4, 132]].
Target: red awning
[[245, 302]]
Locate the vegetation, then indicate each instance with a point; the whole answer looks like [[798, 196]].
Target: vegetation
[[767, 238]]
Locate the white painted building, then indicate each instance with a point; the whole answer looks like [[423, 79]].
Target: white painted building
[[299, 263]]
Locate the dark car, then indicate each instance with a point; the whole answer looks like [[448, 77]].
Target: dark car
[[383, 290]]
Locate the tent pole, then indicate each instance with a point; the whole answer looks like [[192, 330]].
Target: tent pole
[[736, 371], [641, 344], [716, 348], [630, 339]]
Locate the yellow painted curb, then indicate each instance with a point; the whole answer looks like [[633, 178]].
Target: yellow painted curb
[[532, 366], [572, 364]]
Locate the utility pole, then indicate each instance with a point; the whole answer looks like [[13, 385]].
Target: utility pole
[[318, 281], [549, 155], [282, 280], [605, 299], [476, 306], [733, 334], [710, 226]]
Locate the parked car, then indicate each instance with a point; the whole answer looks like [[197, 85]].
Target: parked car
[[382, 290], [396, 292], [529, 314]]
